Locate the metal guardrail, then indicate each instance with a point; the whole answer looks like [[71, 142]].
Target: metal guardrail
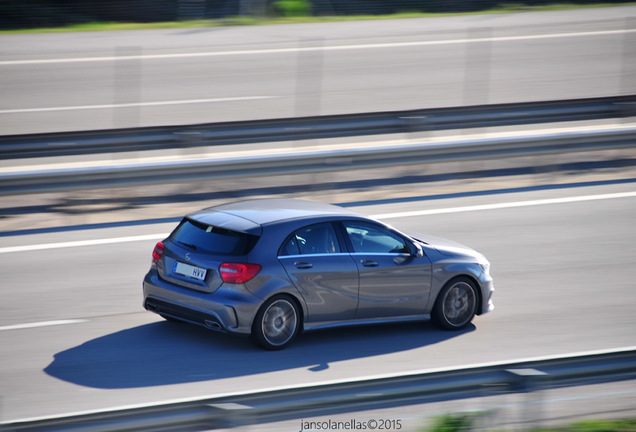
[[301, 160], [304, 401], [154, 138]]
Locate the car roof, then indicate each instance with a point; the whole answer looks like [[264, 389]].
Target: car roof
[[250, 215]]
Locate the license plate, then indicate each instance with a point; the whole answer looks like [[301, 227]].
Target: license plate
[[190, 271]]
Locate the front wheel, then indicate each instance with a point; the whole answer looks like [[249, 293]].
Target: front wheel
[[276, 324], [456, 304]]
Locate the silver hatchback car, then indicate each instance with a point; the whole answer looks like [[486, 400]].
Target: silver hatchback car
[[271, 268]]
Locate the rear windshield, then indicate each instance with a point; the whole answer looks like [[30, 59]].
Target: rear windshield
[[211, 239]]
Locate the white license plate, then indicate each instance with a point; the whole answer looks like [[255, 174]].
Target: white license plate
[[190, 271]]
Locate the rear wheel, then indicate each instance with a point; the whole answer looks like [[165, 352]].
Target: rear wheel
[[276, 324], [456, 304]]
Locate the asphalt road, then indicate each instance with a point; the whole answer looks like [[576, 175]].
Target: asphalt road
[[104, 80], [74, 336]]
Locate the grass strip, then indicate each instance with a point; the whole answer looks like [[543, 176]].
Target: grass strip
[[467, 422]]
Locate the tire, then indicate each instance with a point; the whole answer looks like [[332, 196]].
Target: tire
[[276, 324], [456, 304]]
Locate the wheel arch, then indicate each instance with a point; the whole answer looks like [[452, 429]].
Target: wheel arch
[[475, 283], [289, 295], [458, 306], [278, 331]]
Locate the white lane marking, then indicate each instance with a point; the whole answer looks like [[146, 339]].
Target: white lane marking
[[327, 48], [504, 205], [41, 324], [79, 243], [140, 104], [115, 240]]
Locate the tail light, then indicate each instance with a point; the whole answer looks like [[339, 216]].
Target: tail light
[[238, 273], [157, 252]]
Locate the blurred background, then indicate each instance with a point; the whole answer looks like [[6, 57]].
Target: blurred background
[[16, 14], [557, 225]]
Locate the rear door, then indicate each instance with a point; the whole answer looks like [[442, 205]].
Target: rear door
[[325, 275], [393, 282]]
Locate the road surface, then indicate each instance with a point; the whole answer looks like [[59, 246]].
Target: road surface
[[74, 335]]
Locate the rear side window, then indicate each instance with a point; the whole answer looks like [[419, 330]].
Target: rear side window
[[315, 239], [213, 240]]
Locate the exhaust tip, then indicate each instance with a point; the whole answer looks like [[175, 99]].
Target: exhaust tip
[[152, 308], [212, 324]]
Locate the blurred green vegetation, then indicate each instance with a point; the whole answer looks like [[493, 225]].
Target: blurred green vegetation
[[292, 8], [466, 422], [453, 423], [596, 426]]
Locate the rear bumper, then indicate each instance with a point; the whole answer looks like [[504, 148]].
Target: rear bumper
[[227, 309]]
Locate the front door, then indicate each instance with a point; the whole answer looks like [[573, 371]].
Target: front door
[[393, 282]]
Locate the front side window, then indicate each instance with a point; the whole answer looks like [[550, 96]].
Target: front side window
[[314, 239], [370, 238]]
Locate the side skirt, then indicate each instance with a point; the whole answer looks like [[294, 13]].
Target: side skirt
[[334, 324]]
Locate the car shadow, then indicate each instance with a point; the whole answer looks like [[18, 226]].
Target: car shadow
[[165, 353]]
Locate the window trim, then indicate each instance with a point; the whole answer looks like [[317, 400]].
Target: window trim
[[332, 254]]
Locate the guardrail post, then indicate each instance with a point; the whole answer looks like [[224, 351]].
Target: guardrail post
[[627, 110], [493, 400], [477, 66], [417, 126], [309, 71], [528, 381], [231, 415], [628, 66], [127, 87], [189, 142]]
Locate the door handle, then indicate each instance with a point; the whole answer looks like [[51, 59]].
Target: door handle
[[369, 263], [303, 265]]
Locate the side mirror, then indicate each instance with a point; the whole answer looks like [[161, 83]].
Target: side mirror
[[417, 251]]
